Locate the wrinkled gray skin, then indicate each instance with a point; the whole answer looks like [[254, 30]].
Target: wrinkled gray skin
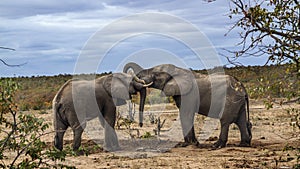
[[192, 93], [75, 104]]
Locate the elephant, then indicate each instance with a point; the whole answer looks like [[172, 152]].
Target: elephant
[[217, 95], [79, 101]]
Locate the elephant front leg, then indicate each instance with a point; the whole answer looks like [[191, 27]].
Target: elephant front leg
[[187, 123], [111, 142], [190, 138]]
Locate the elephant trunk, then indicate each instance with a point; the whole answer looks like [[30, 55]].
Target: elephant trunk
[[133, 69], [142, 104], [132, 66], [142, 88]]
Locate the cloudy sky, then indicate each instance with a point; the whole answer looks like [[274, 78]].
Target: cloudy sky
[[84, 36]]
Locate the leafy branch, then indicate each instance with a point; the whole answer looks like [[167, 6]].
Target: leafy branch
[[268, 27]]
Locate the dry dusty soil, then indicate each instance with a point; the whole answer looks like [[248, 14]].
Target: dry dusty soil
[[272, 133]]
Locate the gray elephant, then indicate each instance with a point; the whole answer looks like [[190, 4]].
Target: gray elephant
[[217, 96], [78, 101]]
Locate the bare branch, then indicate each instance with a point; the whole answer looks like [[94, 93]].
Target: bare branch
[[6, 48], [9, 65]]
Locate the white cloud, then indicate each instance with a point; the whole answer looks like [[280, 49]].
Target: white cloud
[[20, 9], [54, 31]]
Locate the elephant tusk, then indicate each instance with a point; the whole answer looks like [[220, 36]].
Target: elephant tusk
[[147, 85], [139, 80], [136, 78]]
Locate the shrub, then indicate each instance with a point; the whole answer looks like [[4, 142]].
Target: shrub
[[22, 135]]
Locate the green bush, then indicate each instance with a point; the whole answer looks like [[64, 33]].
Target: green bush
[[146, 135], [22, 135]]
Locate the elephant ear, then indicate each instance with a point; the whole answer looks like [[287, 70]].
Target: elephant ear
[[117, 85], [181, 81]]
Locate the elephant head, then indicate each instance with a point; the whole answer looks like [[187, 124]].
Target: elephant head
[[120, 86], [171, 80]]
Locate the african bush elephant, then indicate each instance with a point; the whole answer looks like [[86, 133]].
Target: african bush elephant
[[217, 96], [78, 101]]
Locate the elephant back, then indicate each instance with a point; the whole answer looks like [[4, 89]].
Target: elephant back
[[58, 95]]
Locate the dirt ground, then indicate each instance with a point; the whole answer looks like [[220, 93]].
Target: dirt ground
[[272, 133]]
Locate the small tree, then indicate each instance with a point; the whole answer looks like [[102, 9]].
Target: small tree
[[271, 28], [21, 135]]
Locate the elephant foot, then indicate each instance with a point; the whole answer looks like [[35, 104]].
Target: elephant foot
[[245, 144], [111, 149], [185, 144], [60, 148], [181, 144], [79, 152], [219, 144]]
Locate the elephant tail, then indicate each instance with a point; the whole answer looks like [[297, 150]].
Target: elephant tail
[[249, 124]]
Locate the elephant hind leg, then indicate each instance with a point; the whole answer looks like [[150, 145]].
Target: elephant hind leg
[[77, 133], [223, 136], [60, 129], [244, 130], [58, 140]]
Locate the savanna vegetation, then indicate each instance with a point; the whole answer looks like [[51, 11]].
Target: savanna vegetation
[[23, 131], [266, 28], [36, 93]]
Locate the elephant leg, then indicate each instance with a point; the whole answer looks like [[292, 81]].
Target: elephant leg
[[77, 133], [245, 135], [187, 123], [187, 115], [101, 120], [223, 135], [111, 142], [58, 140], [60, 129]]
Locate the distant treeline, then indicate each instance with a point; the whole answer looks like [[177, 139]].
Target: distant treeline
[[37, 92]]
